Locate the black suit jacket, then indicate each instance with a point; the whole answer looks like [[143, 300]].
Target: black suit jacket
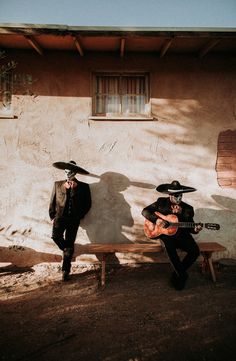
[[81, 199], [163, 205]]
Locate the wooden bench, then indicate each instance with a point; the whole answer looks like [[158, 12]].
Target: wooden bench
[[206, 250]]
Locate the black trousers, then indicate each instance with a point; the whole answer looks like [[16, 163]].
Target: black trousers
[[64, 233], [183, 241]]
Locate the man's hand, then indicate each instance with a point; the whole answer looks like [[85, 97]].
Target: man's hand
[[70, 184], [198, 228], [152, 226]]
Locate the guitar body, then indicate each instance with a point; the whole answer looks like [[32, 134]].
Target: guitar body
[[169, 225], [161, 227]]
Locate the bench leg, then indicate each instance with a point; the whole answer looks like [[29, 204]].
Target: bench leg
[[103, 275], [207, 262]]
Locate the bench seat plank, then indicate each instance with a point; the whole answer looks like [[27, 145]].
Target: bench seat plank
[[211, 247], [113, 248]]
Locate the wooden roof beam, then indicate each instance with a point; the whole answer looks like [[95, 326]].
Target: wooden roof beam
[[34, 44], [122, 47], [165, 47], [210, 45], [78, 46]]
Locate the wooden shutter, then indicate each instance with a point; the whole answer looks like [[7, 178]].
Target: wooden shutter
[[226, 159]]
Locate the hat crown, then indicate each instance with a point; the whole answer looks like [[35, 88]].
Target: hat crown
[[175, 185]]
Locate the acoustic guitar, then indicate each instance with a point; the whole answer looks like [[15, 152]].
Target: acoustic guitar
[[169, 225]]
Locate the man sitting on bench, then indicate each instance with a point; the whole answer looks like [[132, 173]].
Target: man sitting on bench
[[159, 216]]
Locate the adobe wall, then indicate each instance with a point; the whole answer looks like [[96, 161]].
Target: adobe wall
[[192, 101]]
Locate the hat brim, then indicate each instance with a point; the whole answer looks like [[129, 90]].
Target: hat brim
[[70, 166], [167, 189]]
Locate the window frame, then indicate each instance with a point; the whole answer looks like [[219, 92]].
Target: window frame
[[6, 92], [121, 75]]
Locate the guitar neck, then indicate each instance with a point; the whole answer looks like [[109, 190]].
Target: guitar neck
[[185, 224]]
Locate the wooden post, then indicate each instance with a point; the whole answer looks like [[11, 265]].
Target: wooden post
[[103, 276], [211, 267], [207, 261]]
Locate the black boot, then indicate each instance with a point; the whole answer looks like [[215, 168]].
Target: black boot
[[179, 281], [65, 276], [67, 256]]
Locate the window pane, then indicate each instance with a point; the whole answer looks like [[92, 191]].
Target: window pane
[[133, 104], [113, 104], [133, 85], [107, 85], [122, 94], [107, 104], [100, 106]]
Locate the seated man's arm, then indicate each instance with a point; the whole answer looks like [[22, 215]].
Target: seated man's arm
[[149, 212]]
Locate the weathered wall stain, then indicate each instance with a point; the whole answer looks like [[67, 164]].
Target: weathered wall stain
[[226, 159]]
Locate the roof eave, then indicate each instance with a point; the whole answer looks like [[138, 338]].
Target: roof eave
[[34, 29]]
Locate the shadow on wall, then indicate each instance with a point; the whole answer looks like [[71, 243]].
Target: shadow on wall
[[110, 211], [224, 217]]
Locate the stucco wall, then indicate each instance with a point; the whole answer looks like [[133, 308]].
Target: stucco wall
[[192, 100]]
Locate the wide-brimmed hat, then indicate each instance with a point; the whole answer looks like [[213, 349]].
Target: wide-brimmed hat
[[71, 165], [174, 188]]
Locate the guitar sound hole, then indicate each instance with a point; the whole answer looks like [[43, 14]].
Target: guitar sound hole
[[166, 224]]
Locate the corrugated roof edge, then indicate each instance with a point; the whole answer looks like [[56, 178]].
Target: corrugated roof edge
[[66, 28]]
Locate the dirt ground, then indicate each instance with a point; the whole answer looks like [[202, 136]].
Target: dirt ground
[[136, 317]]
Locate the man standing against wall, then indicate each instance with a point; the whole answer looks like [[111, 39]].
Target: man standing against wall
[[69, 203]]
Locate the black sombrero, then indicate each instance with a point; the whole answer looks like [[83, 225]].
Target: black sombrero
[[174, 188], [71, 165]]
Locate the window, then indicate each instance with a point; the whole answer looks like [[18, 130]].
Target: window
[[6, 94], [121, 95]]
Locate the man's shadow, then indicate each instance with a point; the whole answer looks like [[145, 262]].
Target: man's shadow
[[22, 259], [110, 211]]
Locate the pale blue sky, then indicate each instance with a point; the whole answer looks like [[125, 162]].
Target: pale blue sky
[[140, 13]]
